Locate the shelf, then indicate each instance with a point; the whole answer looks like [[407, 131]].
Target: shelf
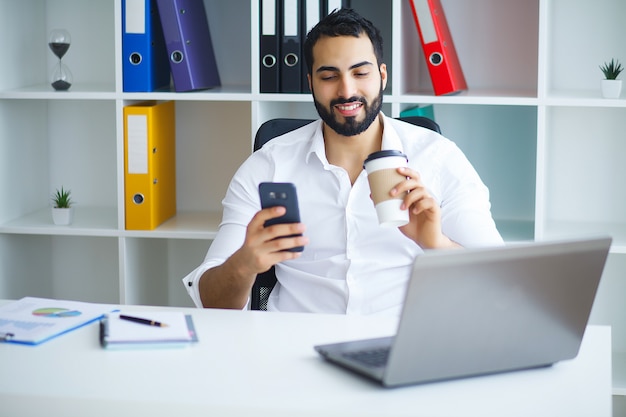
[[103, 92], [78, 91], [101, 222], [475, 96], [582, 98], [224, 93], [88, 221], [186, 225], [573, 229], [90, 91]]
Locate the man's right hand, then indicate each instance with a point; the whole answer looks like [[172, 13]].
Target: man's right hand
[[228, 285], [264, 247]]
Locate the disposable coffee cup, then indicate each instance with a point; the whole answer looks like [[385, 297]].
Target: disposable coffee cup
[[382, 174]]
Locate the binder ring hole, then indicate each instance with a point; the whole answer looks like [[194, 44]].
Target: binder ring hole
[[269, 61], [435, 58], [135, 58], [138, 198], [177, 57], [291, 60]]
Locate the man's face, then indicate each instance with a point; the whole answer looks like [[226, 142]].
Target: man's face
[[346, 83]]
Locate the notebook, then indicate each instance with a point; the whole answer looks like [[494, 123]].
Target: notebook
[[174, 329], [473, 312]]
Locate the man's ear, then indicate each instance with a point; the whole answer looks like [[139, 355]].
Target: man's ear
[[383, 74]]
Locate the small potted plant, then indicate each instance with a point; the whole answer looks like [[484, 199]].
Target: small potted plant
[[611, 86], [62, 210]]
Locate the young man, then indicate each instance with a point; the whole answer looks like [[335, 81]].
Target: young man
[[350, 264]]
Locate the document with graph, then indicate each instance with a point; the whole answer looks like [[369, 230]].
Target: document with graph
[[33, 320]]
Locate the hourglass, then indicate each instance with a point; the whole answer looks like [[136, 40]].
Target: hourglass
[[59, 43]]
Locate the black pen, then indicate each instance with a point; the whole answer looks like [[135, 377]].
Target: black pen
[[142, 321]]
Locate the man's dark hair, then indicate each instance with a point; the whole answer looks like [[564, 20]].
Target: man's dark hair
[[342, 22]]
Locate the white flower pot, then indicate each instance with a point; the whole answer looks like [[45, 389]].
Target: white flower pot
[[62, 216], [611, 88]]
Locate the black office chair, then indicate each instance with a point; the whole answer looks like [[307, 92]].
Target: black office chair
[[265, 281]]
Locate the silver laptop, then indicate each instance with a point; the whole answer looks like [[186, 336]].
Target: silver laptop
[[480, 311]]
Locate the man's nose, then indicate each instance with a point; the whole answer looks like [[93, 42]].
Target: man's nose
[[347, 87]]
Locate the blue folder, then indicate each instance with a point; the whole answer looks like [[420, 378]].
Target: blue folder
[[145, 63]]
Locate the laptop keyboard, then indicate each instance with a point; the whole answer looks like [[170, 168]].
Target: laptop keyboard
[[370, 357]]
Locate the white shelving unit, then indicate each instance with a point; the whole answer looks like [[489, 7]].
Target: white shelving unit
[[533, 123]]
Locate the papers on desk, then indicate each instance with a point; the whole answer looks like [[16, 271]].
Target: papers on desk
[[177, 331], [33, 320]]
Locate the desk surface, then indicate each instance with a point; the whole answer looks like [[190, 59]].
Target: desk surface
[[264, 364]]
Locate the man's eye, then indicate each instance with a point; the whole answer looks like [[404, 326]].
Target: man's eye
[[362, 74], [328, 77]]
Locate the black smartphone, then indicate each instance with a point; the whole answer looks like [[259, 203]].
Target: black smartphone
[[281, 194]]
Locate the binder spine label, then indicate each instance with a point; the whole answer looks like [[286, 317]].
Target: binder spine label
[[268, 25], [290, 27], [135, 21], [425, 20], [137, 144]]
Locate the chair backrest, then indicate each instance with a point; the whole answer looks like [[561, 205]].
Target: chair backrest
[[265, 282], [276, 127]]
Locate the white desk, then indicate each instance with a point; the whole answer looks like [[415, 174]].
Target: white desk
[[258, 363]]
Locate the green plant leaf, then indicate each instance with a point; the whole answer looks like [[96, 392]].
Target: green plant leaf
[[612, 69], [62, 198]]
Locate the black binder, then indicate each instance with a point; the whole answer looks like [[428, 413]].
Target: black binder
[[269, 48], [290, 47]]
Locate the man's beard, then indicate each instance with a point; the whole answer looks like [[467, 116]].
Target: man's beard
[[351, 127]]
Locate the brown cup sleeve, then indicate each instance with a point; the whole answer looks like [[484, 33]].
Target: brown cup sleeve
[[382, 181]]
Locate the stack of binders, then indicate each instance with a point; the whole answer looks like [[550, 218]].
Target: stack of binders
[[443, 63], [283, 27], [163, 36]]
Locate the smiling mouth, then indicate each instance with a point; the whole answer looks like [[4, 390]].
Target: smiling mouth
[[349, 107]]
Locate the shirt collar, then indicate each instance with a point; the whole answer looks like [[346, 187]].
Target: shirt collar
[[391, 140], [317, 145]]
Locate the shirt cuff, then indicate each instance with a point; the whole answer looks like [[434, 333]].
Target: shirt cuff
[[191, 285]]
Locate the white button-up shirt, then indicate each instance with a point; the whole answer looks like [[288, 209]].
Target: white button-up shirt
[[351, 264]]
